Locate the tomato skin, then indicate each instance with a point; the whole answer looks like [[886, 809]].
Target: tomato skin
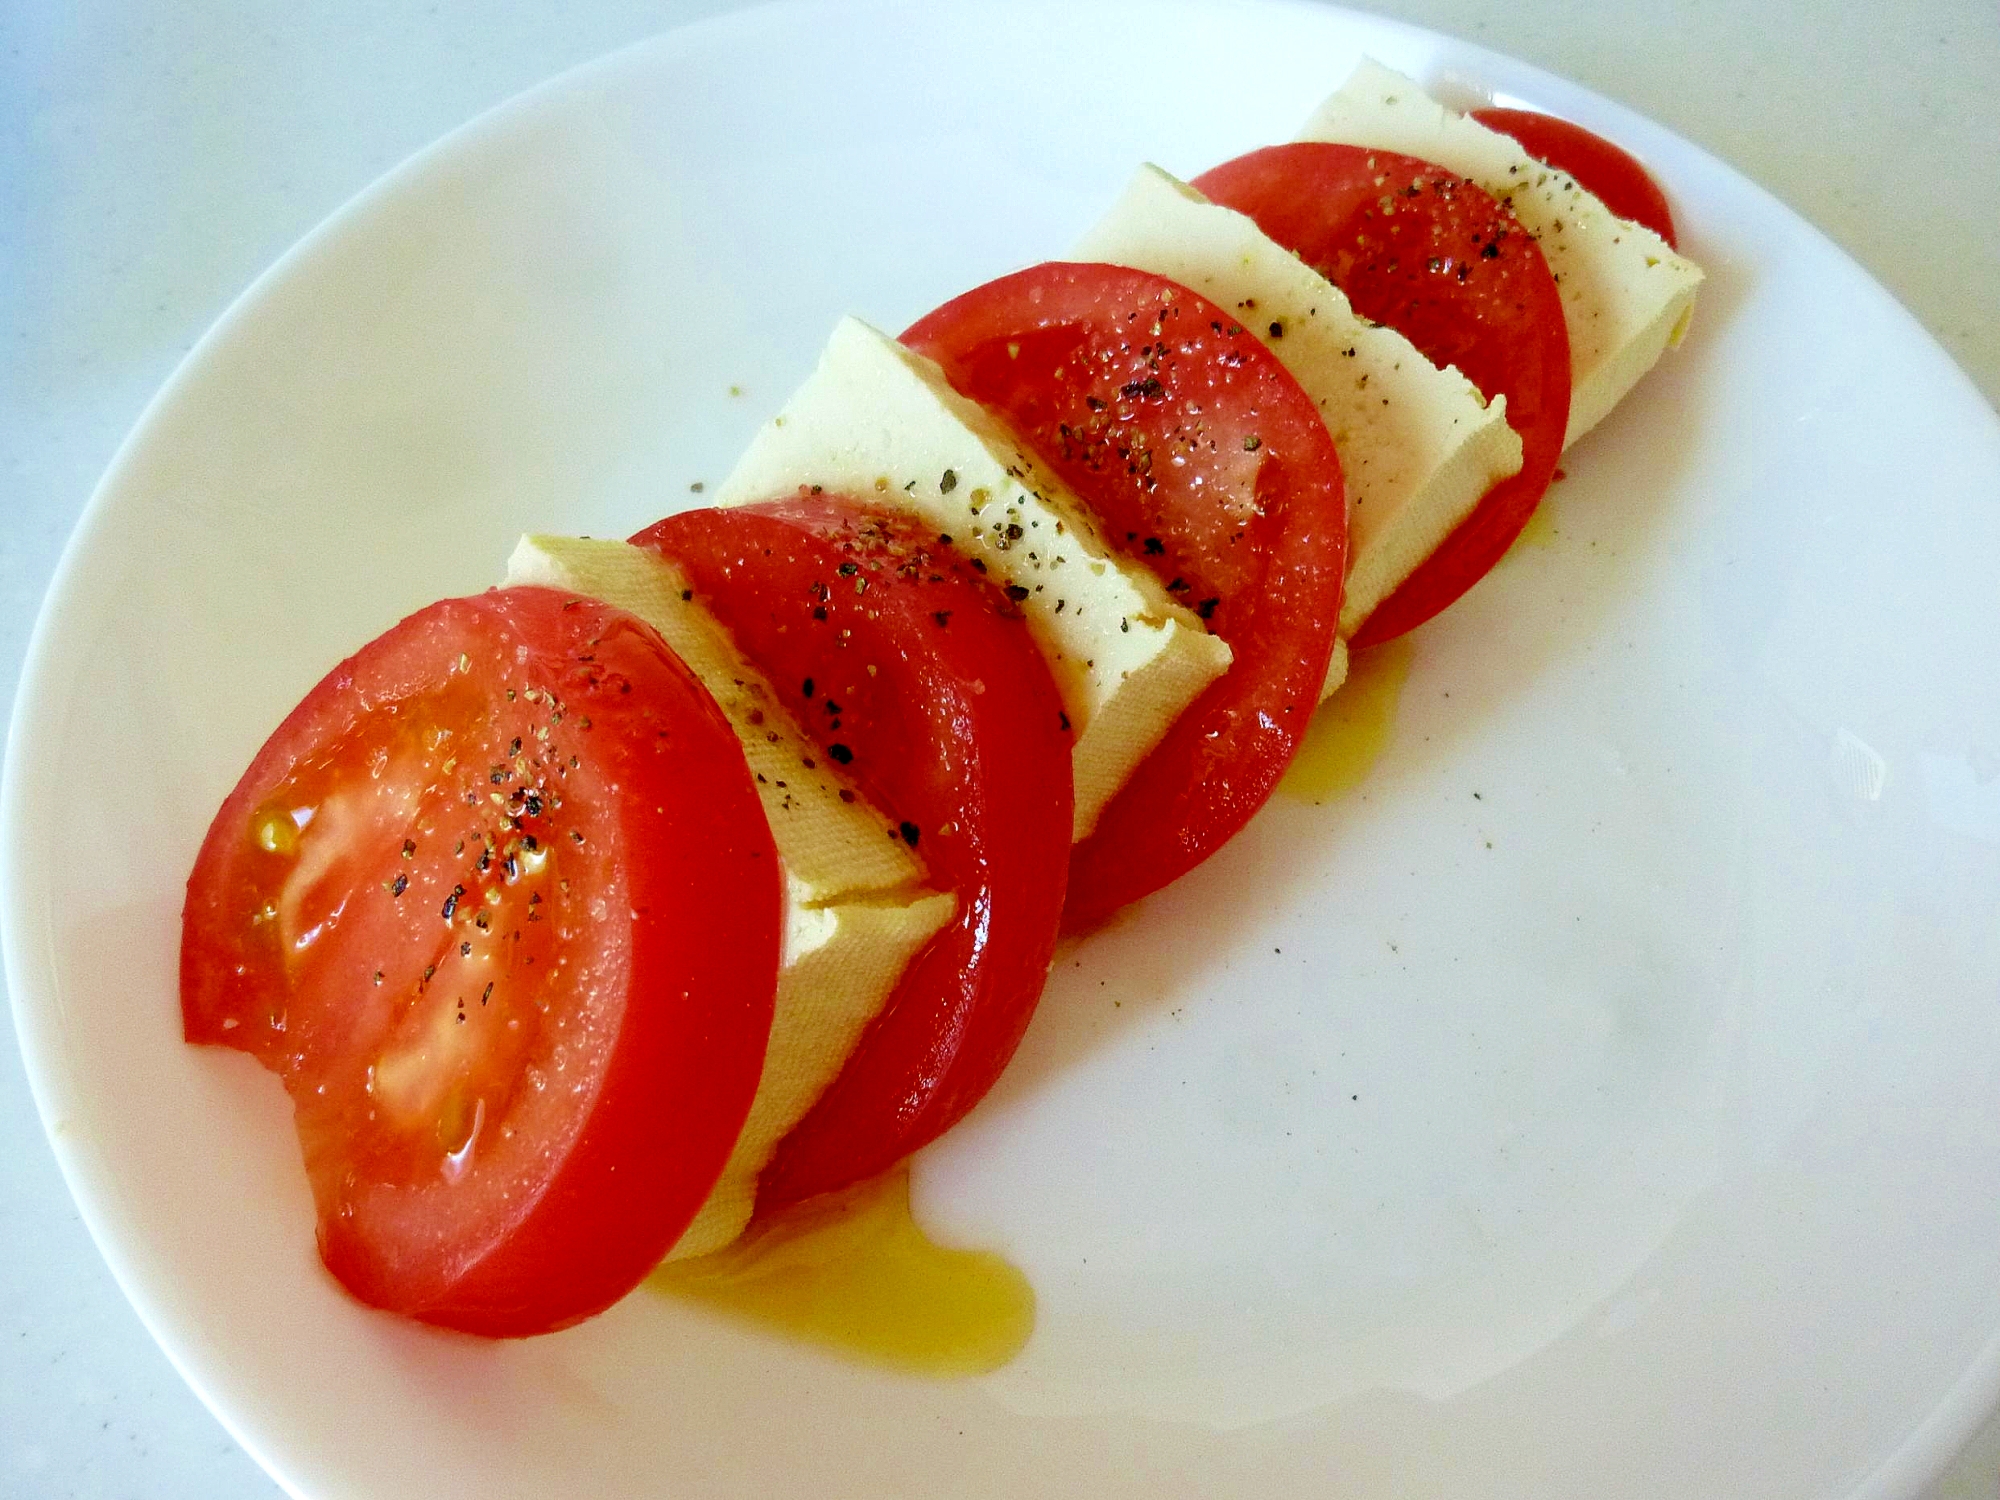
[[1187, 438], [470, 907], [1600, 167], [920, 677], [1449, 268]]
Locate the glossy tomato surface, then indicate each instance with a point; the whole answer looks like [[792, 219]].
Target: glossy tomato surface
[[919, 677], [499, 905], [1600, 167], [1445, 265], [1198, 451]]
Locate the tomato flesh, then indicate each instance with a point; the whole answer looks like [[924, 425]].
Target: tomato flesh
[[1198, 451], [1448, 267], [1602, 168], [919, 677], [498, 904]]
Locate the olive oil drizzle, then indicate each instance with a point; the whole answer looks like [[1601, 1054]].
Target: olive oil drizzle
[[853, 1272], [1540, 533], [1350, 730]]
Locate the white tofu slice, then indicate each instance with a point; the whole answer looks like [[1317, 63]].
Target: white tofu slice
[[1627, 297], [1418, 445], [840, 963], [855, 913], [1336, 670], [881, 424]]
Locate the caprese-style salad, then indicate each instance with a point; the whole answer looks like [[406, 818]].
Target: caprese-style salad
[[684, 878]]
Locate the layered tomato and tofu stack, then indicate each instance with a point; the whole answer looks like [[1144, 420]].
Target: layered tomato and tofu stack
[[560, 908], [691, 876]]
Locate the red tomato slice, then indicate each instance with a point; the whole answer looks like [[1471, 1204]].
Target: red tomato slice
[[499, 905], [1600, 167], [1192, 443], [1450, 269], [920, 678]]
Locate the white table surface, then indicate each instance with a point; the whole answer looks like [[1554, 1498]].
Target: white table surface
[[154, 158]]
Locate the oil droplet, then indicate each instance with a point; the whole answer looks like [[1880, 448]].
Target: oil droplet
[[458, 1129], [1125, 916], [1350, 729], [1540, 532], [275, 831], [852, 1272]]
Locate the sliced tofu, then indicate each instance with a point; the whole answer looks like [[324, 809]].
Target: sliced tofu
[[856, 909], [840, 963], [1627, 297], [834, 845], [1418, 445], [881, 424]]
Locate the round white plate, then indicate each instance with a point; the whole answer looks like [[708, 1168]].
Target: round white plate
[[1600, 1101]]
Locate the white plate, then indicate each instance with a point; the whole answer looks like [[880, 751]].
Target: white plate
[[1601, 1101]]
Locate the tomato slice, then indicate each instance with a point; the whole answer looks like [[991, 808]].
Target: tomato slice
[[1449, 268], [920, 678], [1192, 443], [1600, 167], [499, 905]]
